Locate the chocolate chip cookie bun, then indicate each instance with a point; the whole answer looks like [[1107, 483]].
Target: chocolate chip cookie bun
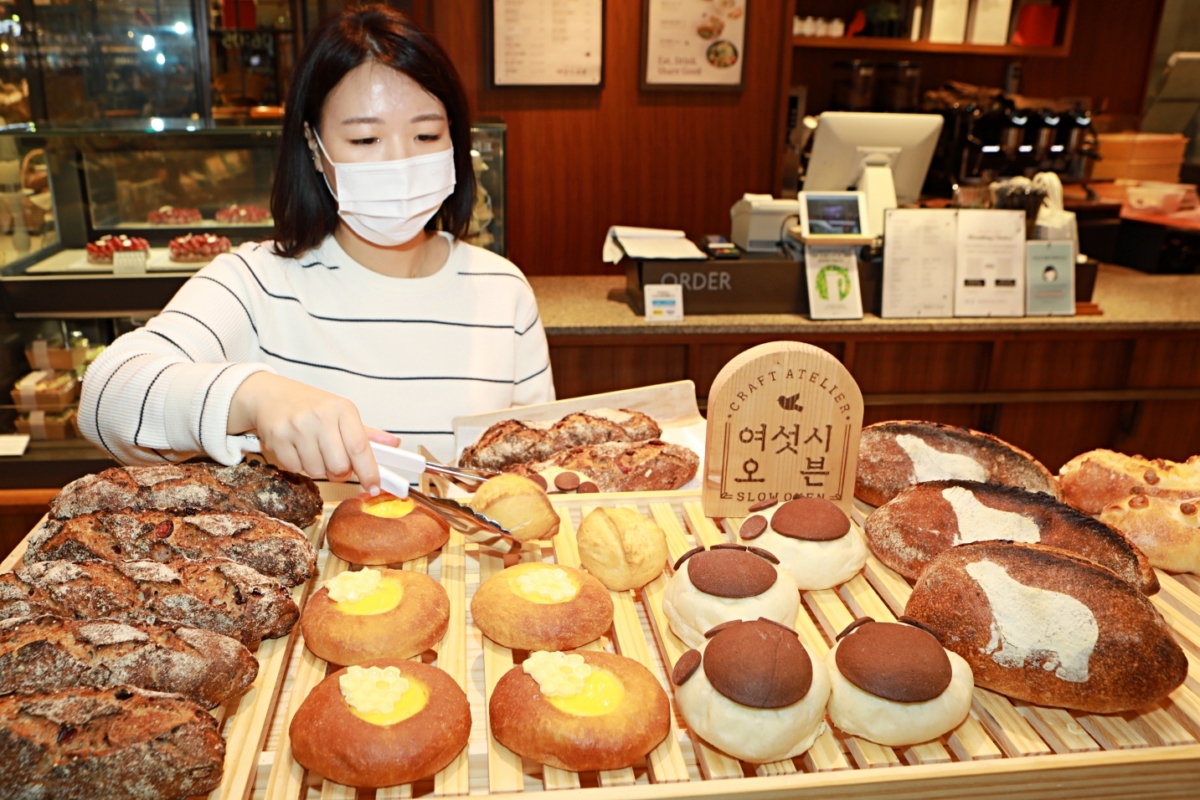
[[728, 582], [375, 613], [542, 607], [894, 684], [753, 690], [384, 530], [814, 541]]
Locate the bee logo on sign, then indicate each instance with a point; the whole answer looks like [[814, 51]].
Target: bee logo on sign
[[784, 421]]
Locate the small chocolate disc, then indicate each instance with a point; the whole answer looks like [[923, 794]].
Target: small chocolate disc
[[916, 623], [567, 481], [686, 556], [729, 546], [587, 487], [767, 554], [758, 664], [714, 630], [780, 624], [731, 573], [540, 481], [894, 661], [857, 623], [763, 505], [688, 663], [753, 527], [811, 518]]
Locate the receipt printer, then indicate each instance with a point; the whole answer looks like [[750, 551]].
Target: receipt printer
[[760, 222]]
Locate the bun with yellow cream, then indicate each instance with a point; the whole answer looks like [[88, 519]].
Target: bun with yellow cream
[[384, 530], [542, 607]]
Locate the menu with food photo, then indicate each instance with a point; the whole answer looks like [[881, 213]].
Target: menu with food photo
[[698, 43]]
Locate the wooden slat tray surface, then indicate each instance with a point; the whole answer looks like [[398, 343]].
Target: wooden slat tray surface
[[1005, 748]]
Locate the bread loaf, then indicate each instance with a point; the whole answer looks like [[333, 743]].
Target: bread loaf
[[515, 442], [192, 488], [1166, 529], [894, 455], [48, 654], [623, 467], [117, 744], [1048, 627], [270, 546], [926, 519], [217, 595], [1098, 478]]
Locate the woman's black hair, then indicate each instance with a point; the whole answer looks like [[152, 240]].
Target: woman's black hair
[[304, 210]]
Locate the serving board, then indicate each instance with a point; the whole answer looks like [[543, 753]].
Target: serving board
[[1005, 749]]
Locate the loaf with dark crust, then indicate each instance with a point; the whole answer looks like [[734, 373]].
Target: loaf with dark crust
[[119, 744], [624, 467], [513, 442], [49, 654], [946, 452], [275, 548], [1051, 628], [190, 489], [1098, 478], [217, 595], [923, 521]]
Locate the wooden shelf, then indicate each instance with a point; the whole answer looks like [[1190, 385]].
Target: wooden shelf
[[908, 46]]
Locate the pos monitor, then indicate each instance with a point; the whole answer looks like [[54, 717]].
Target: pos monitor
[[885, 156]]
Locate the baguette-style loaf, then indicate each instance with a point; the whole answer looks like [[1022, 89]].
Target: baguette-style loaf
[[1099, 478], [514, 442], [192, 488], [118, 744], [275, 548], [217, 595], [624, 467], [894, 455], [48, 654], [1166, 529], [924, 520], [1048, 627]]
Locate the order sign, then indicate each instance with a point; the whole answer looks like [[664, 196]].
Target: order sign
[[699, 43]]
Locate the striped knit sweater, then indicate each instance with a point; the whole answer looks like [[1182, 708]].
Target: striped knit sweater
[[412, 354]]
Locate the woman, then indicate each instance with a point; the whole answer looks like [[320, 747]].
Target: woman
[[366, 308]]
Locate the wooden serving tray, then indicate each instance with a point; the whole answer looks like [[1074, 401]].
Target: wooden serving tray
[[1005, 749]]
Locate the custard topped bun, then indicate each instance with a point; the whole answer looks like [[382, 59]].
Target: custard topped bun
[[542, 607], [728, 582], [387, 613], [623, 549], [581, 711], [384, 530], [384, 723], [814, 541], [518, 505]]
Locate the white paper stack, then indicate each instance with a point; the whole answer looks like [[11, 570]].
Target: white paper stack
[[948, 21], [989, 22], [649, 244]]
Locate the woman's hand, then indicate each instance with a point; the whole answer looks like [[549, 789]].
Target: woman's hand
[[303, 428]]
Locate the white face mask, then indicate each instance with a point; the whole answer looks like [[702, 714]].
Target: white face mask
[[389, 202]]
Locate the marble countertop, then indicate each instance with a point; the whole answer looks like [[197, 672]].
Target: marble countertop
[[595, 305]]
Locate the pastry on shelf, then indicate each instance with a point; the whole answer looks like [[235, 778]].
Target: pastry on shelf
[[622, 466], [513, 442], [622, 548], [1092, 481], [384, 530], [519, 505], [539, 606], [198, 248], [174, 215], [1166, 529], [812, 538], [581, 711], [242, 215], [101, 251]]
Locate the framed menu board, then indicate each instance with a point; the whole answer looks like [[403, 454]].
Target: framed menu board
[[693, 44], [546, 42]]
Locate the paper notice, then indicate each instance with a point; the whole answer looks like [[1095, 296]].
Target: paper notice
[[919, 247], [990, 264]]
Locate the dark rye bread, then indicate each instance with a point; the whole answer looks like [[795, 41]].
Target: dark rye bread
[[920, 523], [512, 442], [885, 469], [217, 595], [624, 467], [192, 488], [48, 654], [117, 744], [273, 547], [1044, 626]]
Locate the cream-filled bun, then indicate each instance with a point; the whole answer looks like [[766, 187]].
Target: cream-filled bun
[[384, 723], [542, 607], [753, 690], [384, 530], [728, 582], [375, 613], [813, 539], [894, 683], [518, 505]]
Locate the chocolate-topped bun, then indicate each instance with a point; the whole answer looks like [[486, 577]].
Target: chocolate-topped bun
[[814, 541], [728, 582], [758, 693], [893, 683]]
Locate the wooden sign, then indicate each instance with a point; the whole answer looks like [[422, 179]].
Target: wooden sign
[[784, 420]]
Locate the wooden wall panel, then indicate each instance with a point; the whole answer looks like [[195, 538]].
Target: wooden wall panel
[[917, 366], [1048, 364], [1166, 363], [1057, 432], [1164, 429], [590, 370], [708, 359], [963, 416]]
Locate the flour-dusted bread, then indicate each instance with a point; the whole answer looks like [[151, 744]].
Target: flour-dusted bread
[[894, 455], [1166, 529], [624, 467], [1048, 627], [117, 744], [927, 519], [48, 654], [217, 595], [192, 488], [270, 546], [1098, 478], [512, 442]]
